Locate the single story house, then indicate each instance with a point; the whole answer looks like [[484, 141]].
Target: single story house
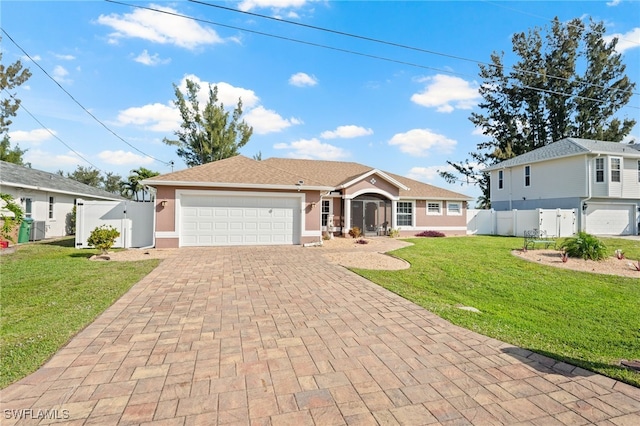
[[600, 179], [240, 201], [46, 198]]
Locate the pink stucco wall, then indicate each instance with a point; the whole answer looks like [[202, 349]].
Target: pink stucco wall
[[380, 183]]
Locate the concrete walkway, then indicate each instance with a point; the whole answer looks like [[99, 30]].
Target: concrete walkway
[[279, 336]]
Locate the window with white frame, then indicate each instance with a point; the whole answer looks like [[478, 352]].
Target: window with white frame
[[404, 213], [326, 211], [500, 179], [527, 175], [615, 170], [454, 209], [638, 170], [434, 208], [51, 207], [599, 170], [28, 207]]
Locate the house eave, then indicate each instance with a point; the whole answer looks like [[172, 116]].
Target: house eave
[[155, 183], [378, 172], [59, 191]]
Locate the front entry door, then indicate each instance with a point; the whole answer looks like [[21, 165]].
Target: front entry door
[[364, 215]]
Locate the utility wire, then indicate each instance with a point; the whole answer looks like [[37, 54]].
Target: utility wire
[[78, 103], [22, 107], [352, 52], [389, 43]]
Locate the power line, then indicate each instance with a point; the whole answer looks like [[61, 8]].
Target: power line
[[394, 44], [78, 103], [348, 51], [52, 133]]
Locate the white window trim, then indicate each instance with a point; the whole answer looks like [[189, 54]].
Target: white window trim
[[439, 203], [604, 170], [453, 213], [500, 179], [329, 214], [527, 185], [413, 213], [611, 169], [638, 171]]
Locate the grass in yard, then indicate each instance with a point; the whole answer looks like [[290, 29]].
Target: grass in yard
[[51, 291], [588, 320]]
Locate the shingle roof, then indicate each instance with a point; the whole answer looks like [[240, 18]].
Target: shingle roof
[[19, 176], [279, 172], [566, 148]]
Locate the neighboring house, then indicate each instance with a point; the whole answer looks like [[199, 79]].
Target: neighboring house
[[599, 179], [46, 198], [240, 201]]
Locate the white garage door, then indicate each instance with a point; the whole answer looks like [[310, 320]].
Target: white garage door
[[610, 219], [215, 220]]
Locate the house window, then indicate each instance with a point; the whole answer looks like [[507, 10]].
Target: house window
[[638, 170], [28, 207], [326, 211], [615, 170], [454, 209], [600, 170], [50, 207], [500, 179], [527, 175], [404, 213], [434, 209]]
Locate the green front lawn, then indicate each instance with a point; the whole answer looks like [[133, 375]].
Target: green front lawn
[[51, 291], [588, 320]]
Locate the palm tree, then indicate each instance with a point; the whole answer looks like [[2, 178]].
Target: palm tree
[[133, 187]]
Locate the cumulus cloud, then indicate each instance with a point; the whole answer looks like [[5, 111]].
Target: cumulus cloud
[[46, 161], [346, 132], [227, 94], [313, 149], [159, 28], [429, 174], [276, 4], [123, 158], [60, 74], [447, 93], [626, 41], [151, 60], [154, 117], [65, 57], [302, 80], [33, 137], [419, 142], [614, 3], [266, 121]]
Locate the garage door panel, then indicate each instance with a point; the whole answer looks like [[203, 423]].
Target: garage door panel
[[236, 220], [609, 219]]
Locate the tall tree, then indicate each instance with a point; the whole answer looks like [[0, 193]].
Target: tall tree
[[569, 83], [210, 134], [113, 183], [87, 175], [11, 155], [133, 188]]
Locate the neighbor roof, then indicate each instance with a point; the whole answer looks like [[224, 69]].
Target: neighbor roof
[[17, 176], [566, 148], [286, 173]]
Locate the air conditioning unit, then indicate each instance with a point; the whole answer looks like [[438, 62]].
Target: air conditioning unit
[[38, 229]]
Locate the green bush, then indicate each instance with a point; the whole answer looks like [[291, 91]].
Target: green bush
[[103, 238], [584, 246]]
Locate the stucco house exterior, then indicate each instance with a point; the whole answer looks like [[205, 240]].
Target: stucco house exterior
[[600, 179], [240, 201], [46, 198]]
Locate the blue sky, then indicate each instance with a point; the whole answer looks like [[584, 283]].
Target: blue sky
[[404, 111]]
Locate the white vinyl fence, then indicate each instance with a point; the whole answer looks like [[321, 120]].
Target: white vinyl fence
[[134, 221], [556, 222]]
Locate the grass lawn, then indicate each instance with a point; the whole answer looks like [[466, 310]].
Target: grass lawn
[[51, 291], [588, 320]]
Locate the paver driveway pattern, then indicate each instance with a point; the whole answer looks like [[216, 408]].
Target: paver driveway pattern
[[277, 335]]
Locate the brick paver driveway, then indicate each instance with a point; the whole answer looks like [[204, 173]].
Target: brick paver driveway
[[276, 335]]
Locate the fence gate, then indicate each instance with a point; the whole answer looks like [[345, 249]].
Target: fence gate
[[556, 222]]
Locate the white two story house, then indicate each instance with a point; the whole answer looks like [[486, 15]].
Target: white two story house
[[600, 179]]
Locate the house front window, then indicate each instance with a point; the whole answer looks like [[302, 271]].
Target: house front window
[[454, 209], [615, 170], [599, 170], [51, 207], [500, 179], [28, 207], [527, 175], [434, 209], [638, 170], [404, 213], [326, 211]]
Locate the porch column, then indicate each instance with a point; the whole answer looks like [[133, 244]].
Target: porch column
[[394, 215], [347, 216]]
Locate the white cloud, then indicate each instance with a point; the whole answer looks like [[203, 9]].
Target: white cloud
[[46, 161], [277, 4], [65, 57], [302, 79], [159, 28], [626, 41], [155, 117], [266, 121], [123, 158], [446, 93], [313, 149], [428, 174], [227, 94], [34, 137], [346, 132], [419, 142], [614, 3], [151, 60], [60, 74]]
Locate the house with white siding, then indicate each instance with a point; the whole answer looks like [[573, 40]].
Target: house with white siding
[[600, 179]]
